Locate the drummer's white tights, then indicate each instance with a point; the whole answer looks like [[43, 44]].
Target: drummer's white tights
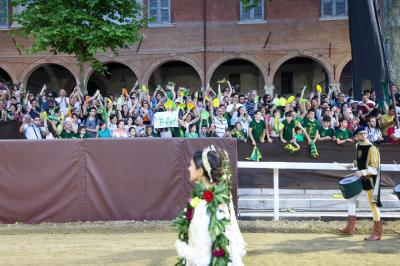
[[352, 202]]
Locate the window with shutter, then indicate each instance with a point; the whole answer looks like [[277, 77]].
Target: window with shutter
[[3, 14], [341, 8], [16, 10], [253, 14], [153, 9], [159, 11], [333, 8], [245, 15], [328, 8], [165, 11], [259, 12]]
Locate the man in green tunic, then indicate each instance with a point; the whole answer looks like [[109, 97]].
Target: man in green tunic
[[310, 124], [257, 129]]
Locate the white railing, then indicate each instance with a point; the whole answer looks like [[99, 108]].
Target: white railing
[[275, 166]]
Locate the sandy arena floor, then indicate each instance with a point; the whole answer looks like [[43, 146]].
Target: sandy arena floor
[[121, 247]]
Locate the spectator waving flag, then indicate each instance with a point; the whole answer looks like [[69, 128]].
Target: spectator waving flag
[[255, 155]]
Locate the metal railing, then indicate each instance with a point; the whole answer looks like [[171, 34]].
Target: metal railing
[[275, 166]]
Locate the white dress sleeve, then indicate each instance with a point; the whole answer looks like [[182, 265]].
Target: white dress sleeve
[[237, 245], [198, 251]]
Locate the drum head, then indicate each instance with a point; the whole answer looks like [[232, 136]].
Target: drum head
[[349, 180]]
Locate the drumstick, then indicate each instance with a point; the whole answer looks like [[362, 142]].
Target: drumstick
[[396, 164], [342, 165]]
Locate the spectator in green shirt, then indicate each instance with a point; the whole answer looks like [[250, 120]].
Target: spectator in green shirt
[[257, 129], [326, 132], [103, 132], [287, 133], [310, 124], [343, 134], [82, 133], [239, 133], [192, 134], [66, 132]]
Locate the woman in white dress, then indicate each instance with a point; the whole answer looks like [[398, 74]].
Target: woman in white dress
[[202, 242]]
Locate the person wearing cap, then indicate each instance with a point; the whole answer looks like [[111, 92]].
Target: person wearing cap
[[368, 169]]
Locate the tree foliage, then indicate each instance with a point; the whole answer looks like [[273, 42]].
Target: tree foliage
[[81, 28], [249, 4]]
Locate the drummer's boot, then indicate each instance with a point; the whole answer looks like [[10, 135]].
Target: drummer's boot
[[377, 233], [350, 227]]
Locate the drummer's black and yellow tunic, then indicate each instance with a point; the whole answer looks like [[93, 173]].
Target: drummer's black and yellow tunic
[[368, 162]]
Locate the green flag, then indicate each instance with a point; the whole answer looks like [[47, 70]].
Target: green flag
[[255, 155], [314, 151]]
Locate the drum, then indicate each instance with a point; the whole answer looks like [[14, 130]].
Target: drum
[[350, 186], [397, 190]]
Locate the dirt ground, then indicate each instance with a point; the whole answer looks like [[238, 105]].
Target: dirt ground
[[144, 244]]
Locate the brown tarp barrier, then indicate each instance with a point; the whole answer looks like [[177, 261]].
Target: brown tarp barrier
[[329, 152], [93, 180], [10, 130]]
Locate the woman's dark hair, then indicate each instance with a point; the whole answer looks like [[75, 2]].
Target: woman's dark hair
[[191, 126], [80, 128], [215, 159], [51, 130], [238, 110]]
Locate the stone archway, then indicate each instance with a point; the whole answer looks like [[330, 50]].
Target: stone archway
[[243, 75], [8, 74], [55, 76], [263, 75], [297, 71], [346, 78], [180, 72], [116, 77], [5, 78]]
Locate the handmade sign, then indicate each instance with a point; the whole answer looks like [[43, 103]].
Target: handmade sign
[[166, 119]]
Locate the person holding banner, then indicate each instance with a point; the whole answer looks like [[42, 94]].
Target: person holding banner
[[368, 165]]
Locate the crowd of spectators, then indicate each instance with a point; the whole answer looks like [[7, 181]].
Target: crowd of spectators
[[309, 116]]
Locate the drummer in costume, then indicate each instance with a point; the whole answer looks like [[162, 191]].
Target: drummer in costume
[[368, 165]]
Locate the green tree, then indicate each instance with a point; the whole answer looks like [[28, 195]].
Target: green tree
[[81, 28], [391, 36]]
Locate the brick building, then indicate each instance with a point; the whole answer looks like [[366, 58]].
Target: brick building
[[280, 45]]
